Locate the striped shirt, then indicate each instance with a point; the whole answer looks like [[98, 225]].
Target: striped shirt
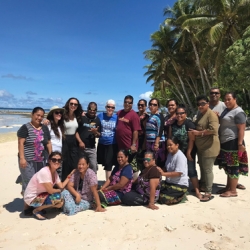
[[154, 128], [35, 144]]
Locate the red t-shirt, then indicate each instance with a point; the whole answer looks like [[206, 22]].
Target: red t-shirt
[[127, 123]]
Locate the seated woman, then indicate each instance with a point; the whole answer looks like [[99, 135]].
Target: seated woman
[[119, 183], [40, 193], [174, 188], [147, 185], [82, 188]]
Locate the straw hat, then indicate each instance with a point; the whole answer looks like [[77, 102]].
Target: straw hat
[[52, 109]]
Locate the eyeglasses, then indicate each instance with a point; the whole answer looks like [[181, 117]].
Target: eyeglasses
[[93, 110], [110, 107], [128, 102], [58, 112], [73, 104], [202, 104], [147, 159], [214, 93], [141, 105], [54, 160], [180, 113], [153, 104]]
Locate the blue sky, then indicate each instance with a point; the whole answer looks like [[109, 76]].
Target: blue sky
[[88, 49]]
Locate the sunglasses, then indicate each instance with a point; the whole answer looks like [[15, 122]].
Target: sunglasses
[[94, 110], [214, 93], [58, 112], [202, 104], [147, 159], [128, 103], [180, 113], [153, 104], [141, 105], [54, 160], [73, 104], [110, 107]]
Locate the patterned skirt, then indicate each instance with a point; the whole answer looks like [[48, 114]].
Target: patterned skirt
[[70, 207], [46, 199], [109, 198], [233, 162], [171, 194]]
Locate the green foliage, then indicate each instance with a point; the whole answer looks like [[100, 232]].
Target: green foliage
[[235, 72]]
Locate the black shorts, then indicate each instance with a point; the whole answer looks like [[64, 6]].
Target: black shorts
[[107, 155]]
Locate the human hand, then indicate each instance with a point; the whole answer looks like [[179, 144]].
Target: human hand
[[23, 163], [100, 209], [133, 149], [152, 206], [189, 157], [46, 122], [160, 170], [78, 198], [241, 148], [194, 132], [81, 145], [156, 147]]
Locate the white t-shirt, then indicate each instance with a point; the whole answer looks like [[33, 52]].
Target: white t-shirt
[[36, 187], [220, 107], [55, 141], [177, 163], [70, 127]]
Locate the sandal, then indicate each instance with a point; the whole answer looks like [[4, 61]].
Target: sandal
[[209, 198], [228, 194], [240, 186], [36, 216]]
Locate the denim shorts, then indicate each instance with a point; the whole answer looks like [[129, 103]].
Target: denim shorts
[[192, 169]]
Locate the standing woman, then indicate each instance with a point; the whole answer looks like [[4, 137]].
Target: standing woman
[[154, 133], [72, 117], [142, 106], [233, 154], [207, 142], [171, 117], [107, 147], [34, 146], [56, 128]]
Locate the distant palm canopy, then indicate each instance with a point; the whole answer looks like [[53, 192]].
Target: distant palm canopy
[[190, 50]]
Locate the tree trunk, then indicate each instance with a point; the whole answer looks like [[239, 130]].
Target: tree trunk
[[199, 66]]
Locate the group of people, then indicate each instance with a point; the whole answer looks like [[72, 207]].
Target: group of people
[[58, 157]]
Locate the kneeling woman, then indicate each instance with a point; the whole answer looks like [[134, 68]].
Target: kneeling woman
[[147, 185], [173, 190], [119, 183], [40, 193], [82, 189]]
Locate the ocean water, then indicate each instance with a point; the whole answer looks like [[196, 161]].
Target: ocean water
[[11, 123]]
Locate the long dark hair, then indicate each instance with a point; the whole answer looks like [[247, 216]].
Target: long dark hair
[[55, 126], [77, 112]]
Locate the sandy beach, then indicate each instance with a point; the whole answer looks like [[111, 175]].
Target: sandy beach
[[221, 224]]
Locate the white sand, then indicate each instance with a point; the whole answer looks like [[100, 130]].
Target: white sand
[[222, 223]]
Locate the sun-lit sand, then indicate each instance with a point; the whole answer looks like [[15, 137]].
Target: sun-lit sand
[[221, 224]]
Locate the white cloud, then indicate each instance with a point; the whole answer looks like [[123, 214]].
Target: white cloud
[[146, 95]]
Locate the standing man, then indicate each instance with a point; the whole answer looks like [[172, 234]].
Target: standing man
[[128, 125], [214, 101], [86, 134]]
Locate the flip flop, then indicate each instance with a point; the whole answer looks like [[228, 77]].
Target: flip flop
[[39, 213], [228, 194], [209, 198], [240, 186]]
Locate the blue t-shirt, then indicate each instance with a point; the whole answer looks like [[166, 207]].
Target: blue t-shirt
[[108, 128]]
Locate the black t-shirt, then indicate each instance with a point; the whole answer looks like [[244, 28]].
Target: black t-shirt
[[86, 124]]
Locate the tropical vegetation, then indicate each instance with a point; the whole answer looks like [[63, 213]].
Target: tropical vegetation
[[201, 44]]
